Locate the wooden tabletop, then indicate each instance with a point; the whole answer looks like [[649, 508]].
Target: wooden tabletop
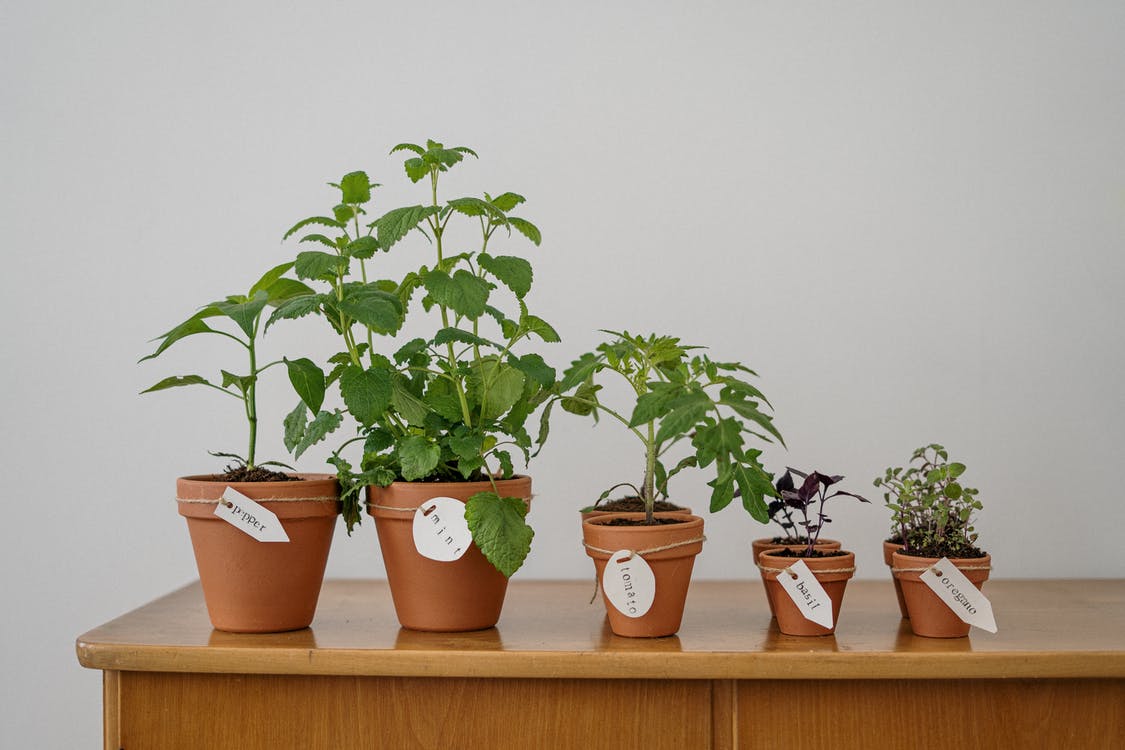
[[1057, 628]]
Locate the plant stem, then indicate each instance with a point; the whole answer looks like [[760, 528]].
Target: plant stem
[[439, 230], [649, 495], [252, 401]]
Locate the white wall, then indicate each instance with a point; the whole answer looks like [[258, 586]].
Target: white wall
[[908, 217]]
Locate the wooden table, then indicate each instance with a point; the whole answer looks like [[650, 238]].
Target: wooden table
[[553, 676]]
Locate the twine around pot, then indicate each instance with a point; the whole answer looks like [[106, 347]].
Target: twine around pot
[[779, 571], [639, 553]]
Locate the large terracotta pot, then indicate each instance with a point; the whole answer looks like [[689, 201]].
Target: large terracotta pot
[[671, 567], [261, 587], [758, 546], [929, 615], [465, 594], [890, 548], [833, 573]]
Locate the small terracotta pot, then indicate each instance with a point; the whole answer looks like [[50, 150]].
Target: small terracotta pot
[[789, 618], [465, 594], [888, 549], [758, 546], [671, 568], [261, 587], [929, 615]]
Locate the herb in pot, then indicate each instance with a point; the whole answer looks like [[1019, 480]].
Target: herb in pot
[[451, 406], [931, 510], [245, 312], [680, 398]]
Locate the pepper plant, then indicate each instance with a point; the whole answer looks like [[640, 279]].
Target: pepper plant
[[453, 405], [813, 491], [680, 398], [244, 312], [931, 510]]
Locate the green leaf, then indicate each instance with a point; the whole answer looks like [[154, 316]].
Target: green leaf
[[416, 169], [324, 221], [749, 410], [499, 529], [294, 424], [507, 201], [507, 470], [467, 445], [956, 470], [409, 350], [245, 314], [378, 310], [297, 307], [533, 366], [653, 405], [478, 207], [324, 423], [313, 264], [682, 420], [367, 393], [445, 335], [417, 457], [268, 278], [356, 188], [176, 381], [515, 273], [308, 382], [577, 404], [526, 228], [378, 440], [189, 327], [409, 406], [953, 491], [242, 381], [412, 147], [397, 223], [463, 292], [362, 248], [722, 489], [750, 486], [495, 386], [541, 328], [284, 290], [320, 239]]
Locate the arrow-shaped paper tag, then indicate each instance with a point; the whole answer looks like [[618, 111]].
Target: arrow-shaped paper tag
[[248, 516], [807, 593], [960, 594]]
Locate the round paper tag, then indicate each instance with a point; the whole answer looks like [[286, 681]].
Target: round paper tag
[[440, 530], [628, 583]]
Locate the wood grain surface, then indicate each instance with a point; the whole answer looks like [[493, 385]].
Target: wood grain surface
[[1047, 629]]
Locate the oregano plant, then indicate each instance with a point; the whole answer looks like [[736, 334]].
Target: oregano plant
[[681, 399], [452, 405], [243, 315], [931, 509]]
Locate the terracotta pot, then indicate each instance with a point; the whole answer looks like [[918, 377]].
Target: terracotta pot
[[758, 546], [789, 618], [929, 616], [465, 594], [261, 587], [888, 549], [671, 568]]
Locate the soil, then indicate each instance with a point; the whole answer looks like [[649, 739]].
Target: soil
[[939, 551], [804, 553], [634, 505], [257, 474], [790, 540], [641, 521]]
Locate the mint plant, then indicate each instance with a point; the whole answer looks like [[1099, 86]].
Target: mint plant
[[679, 397], [812, 492], [453, 405], [244, 312], [931, 511]]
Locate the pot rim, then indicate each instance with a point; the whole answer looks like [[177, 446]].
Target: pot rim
[[958, 562], [847, 559]]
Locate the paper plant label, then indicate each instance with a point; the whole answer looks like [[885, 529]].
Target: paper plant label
[[807, 593], [246, 515], [440, 530], [628, 583], [959, 594]]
